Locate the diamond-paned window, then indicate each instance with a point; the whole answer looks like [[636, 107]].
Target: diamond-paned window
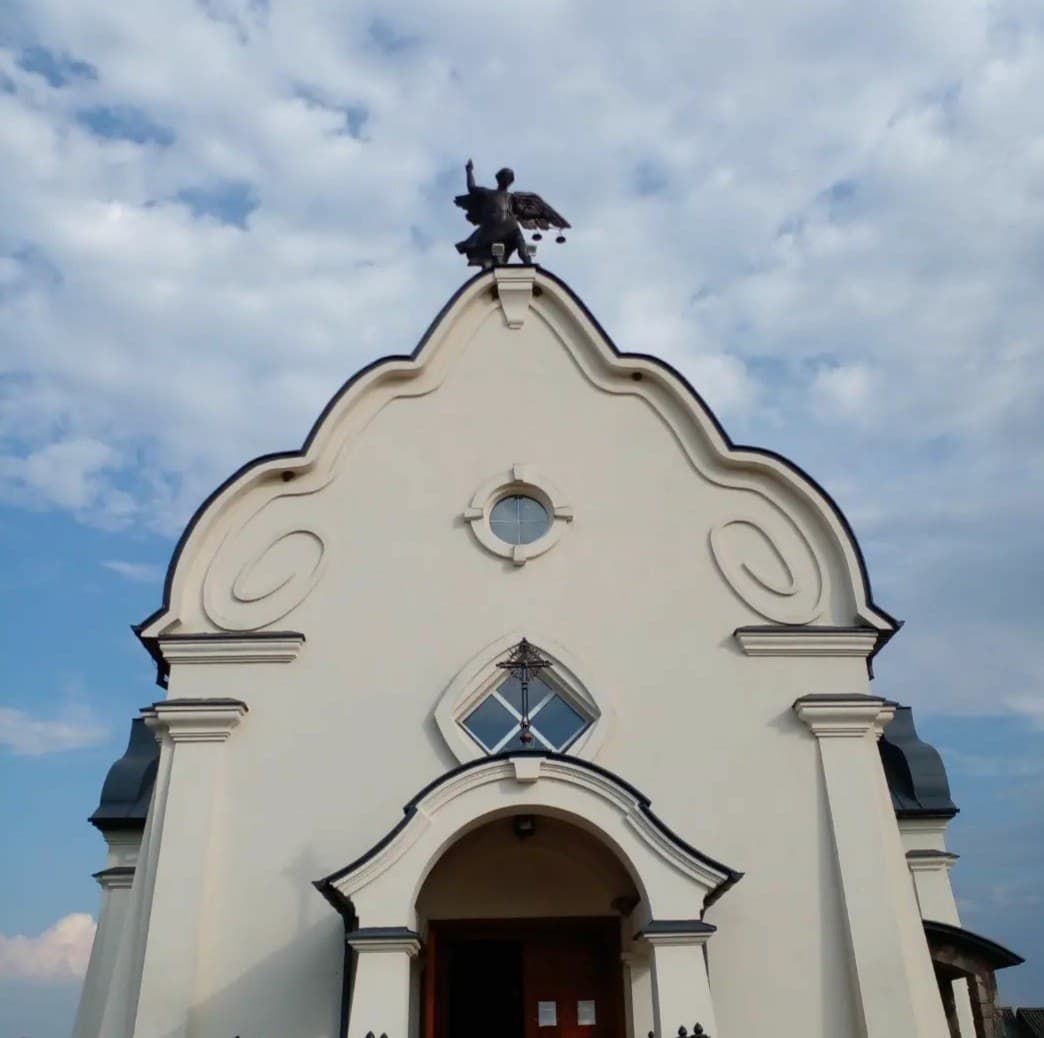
[[496, 723]]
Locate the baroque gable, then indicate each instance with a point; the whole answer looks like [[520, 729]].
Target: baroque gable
[[265, 542]]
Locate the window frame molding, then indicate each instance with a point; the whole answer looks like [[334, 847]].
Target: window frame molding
[[555, 688], [526, 481], [480, 676]]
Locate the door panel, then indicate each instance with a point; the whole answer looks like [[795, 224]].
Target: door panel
[[487, 979], [579, 975]]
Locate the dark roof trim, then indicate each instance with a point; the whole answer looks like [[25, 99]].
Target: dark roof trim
[[914, 770], [841, 697], [163, 670], [993, 954], [810, 628], [245, 636], [198, 701], [379, 934], [679, 927], [116, 825], [344, 906], [924, 853], [326, 887], [116, 870], [127, 790]]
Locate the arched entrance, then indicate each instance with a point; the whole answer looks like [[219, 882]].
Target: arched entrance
[[523, 921], [602, 871]]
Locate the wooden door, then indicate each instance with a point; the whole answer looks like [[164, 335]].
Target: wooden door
[[501, 978], [572, 984]]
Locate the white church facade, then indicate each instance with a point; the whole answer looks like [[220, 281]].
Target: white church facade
[[521, 703]]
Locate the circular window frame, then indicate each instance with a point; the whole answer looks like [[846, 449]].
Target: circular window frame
[[525, 481]]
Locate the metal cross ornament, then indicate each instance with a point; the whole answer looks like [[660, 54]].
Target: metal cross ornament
[[524, 663]]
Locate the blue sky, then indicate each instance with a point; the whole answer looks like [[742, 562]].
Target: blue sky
[[828, 215]]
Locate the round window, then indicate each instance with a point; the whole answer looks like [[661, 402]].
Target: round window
[[519, 519]]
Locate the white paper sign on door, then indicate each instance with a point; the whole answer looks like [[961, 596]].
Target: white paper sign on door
[[547, 1014], [585, 1013]]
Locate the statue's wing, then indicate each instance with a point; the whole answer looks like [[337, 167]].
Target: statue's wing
[[533, 212], [470, 204]]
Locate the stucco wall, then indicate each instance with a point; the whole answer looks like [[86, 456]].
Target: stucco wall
[[338, 740]]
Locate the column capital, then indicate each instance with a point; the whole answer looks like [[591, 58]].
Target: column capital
[[661, 932], [385, 939], [119, 877], [930, 860], [844, 715], [194, 720]]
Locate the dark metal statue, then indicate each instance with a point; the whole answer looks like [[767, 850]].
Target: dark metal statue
[[500, 216]]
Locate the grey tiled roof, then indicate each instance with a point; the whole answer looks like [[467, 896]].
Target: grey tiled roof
[[1023, 1023], [1031, 1021], [915, 772], [127, 789]]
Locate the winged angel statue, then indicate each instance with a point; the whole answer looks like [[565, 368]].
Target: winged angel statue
[[500, 215]]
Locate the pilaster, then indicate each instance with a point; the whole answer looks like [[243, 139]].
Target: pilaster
[[191, 732], [115, 880], [681, 996], [929, 867], [381, 988], [891, 965], [638, 998]]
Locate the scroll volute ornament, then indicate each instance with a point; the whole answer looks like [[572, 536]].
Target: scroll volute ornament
[[265, 567], [772, 566]]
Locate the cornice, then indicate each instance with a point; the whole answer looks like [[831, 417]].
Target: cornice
[[930, 860], [924, 824], [385, 939], [772, 640], [120, 877], [662, 932], [844, 716], [260, 647], [194, 720]]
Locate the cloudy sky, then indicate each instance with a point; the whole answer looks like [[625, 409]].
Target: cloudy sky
[[828, 214]]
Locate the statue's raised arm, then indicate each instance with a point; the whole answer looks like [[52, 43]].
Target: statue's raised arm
[[500, 216]]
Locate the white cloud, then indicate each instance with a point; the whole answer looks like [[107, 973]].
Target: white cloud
[[802, 207], [140, 572], [60, 953], [28, 736], [844, 391]]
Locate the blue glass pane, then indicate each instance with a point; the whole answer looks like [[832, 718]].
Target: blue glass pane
[[531, 511], [505, 511], [489, 722], [538, 692], [529, 532], [509, 532], [559, 723], [519, 519], [511, 690]]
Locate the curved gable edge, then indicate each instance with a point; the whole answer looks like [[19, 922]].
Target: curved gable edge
[[149, 629], [729, 876]]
